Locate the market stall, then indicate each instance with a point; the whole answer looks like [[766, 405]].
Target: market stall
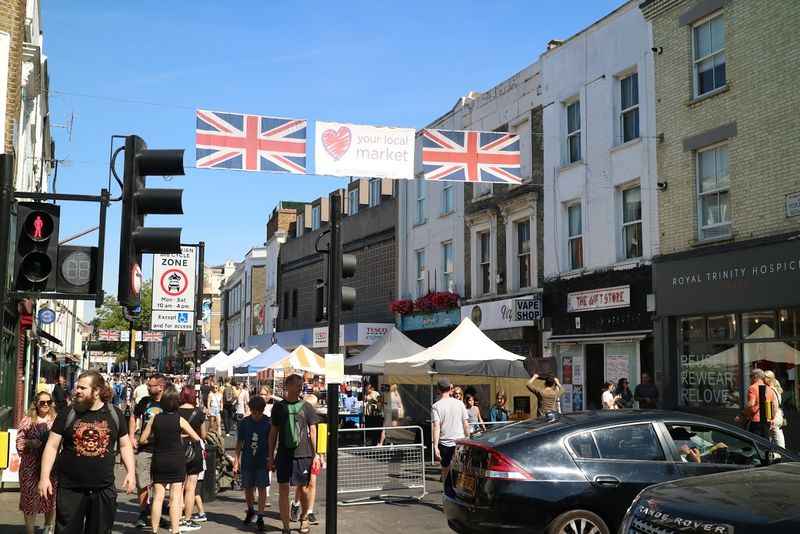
[[393, 345], [261, 360], [209, 366]]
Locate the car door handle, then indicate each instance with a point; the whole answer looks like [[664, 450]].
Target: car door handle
[[606, 480]]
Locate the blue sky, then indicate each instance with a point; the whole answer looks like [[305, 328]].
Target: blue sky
[[398, 63]]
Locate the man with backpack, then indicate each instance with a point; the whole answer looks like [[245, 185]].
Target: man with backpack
[[229, 397], [294, 436], [88, 434]]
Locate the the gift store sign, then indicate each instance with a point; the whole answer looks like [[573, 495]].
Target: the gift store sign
[[599, 299]]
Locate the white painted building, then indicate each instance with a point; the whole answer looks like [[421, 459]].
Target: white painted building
[[243, 296], [600, 188]]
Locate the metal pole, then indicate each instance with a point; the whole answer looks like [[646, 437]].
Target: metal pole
[[6, 198], [198, 307], [334, 318]]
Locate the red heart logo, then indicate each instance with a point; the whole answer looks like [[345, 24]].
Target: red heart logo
[[337, 142]]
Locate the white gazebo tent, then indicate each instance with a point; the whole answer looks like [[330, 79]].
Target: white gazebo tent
[[209, 366], [393, 345], [225, 367]]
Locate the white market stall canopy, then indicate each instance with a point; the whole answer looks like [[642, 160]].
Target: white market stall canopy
[[226, 366], [466, 351], [302, 359], [209, 365], [392, 346], [261, 360]]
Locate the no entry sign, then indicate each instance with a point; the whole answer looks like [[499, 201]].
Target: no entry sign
[[174, 279]]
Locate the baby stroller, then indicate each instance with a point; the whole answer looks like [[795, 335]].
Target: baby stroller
[[224, 475]]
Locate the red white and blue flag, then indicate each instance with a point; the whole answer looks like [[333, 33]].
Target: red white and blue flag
[[465, 156], [250, 142]]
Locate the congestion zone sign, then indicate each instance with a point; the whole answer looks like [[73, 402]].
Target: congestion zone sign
[[174, 282]]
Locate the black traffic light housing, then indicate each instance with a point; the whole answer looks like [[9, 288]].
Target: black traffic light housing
[[77, 270], [138, 201], [36, 250], [349, 264]]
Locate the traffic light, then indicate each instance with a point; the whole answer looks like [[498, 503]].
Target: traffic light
[[36, 250], [349, 264], [138, 201], [77, 270]]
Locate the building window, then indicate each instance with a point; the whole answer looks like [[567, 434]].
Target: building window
[[294, 303], [481, 189], [447, 198], [316, 219], [629, 116], [523, 232], [713, 187], [352, 202], [485, 263], [300, 225], [374, 191], [709, 55], [574, 132], [575, 236], [632, 222], [421, 286], [447, 266], [421, 186], [285, 305]]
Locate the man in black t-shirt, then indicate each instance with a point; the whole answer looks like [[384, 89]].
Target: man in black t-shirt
[[294, 436], [88, 434], [146, 409]]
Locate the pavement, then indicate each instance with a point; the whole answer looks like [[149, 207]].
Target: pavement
[[226, 512]]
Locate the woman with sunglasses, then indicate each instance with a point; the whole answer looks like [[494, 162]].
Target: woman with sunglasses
[[31, 437]]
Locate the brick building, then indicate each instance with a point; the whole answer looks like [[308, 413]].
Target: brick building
[[368, 232], [726, 282]]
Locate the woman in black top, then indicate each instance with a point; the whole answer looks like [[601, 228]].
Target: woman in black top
[[169, 463], [197, 420]]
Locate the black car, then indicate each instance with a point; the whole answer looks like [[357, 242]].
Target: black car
[[744, 502], [578, 473]]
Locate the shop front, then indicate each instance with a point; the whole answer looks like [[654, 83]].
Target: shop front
[[511, 322], [723, 312], [601, 328], [353, 337]]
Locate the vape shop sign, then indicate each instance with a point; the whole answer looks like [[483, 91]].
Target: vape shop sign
[[599, 299], [506, 313]]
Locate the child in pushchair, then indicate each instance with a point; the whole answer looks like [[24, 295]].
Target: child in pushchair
[[225, 477]]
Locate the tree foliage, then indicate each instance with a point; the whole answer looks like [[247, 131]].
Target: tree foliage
[[110, 316]]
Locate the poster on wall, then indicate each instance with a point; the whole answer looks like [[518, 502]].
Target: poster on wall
[[11, 473], [617, 367], [577, 398], [577, 370], [566, 370], [566, 399]]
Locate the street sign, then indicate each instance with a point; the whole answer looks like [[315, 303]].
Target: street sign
[[46, 316], [172, 320], [174, 280], [136, 279]]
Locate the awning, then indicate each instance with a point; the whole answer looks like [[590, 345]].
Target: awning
[[630, 335], [48, 337]]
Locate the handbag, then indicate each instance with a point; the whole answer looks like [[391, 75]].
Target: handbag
[[190, 447]]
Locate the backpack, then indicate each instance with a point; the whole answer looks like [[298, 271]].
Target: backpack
[[227, 394], [113, 411], [290, 432]]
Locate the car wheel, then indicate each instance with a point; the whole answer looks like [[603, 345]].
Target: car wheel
[[578, 522]]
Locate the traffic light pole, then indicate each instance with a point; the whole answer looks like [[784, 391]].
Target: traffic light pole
[[198, 306], [334, 319]]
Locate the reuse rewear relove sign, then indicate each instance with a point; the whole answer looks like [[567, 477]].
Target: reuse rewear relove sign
[[174, 280]]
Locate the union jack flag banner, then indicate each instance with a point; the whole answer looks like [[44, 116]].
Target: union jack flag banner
[[108, 335], [466, 156], [250, 142]]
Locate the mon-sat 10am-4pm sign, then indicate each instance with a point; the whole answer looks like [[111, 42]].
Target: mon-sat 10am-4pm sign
[[174, 279]]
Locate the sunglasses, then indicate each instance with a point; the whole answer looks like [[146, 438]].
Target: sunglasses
[[45, 403]]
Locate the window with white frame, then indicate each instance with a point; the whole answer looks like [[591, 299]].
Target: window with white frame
[[574, 131], [352, 202], [629, 107], [421, 285], [708, 38], [632, 222], [522, 231], [448, 194], [374, 192], [484, 263], [300, 225], [447, 265], [713, 188], [575, 236], [420, 189], [316, 217]]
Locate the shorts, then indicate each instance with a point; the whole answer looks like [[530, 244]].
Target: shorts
[[144, 463], [446, 454], [255, 478], [293, 471], [85, 510]]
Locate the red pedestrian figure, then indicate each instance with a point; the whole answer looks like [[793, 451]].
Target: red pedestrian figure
[[38, 224]]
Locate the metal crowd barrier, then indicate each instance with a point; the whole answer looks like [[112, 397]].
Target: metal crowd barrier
[[372, 473]]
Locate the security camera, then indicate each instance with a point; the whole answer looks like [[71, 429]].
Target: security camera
[[662, 186]]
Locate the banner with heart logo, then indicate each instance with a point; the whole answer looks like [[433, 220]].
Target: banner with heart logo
[[343, 149]]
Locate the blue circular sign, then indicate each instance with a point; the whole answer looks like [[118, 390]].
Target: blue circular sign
[[46, 316]]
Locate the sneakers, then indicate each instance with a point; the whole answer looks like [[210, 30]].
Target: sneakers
[[305, 526], [312, 518], [188, 526], [143, 521], [294, 512], [260, 524], [248, 518], [199, 518], [48, 529]]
